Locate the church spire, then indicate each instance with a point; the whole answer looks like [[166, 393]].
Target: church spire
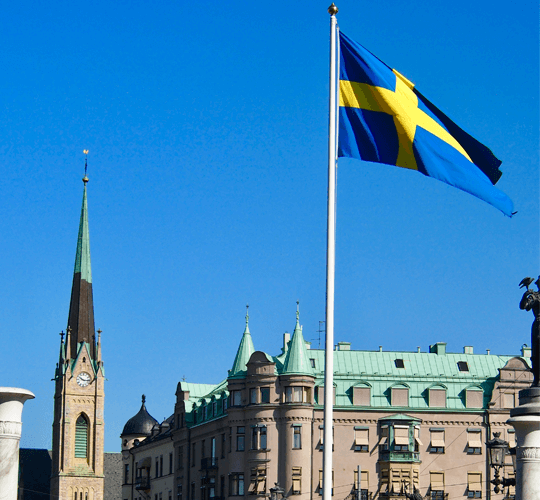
[[245, 350], [81, 308]]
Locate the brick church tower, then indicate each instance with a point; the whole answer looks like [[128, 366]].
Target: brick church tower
[[78, 427]]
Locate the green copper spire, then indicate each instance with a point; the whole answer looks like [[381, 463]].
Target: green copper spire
[[82, 256], [297, 359], [245, 350], [81, 307]]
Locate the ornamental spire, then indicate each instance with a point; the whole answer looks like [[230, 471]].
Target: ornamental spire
[[245, 350], [297, 359], [81, 308]]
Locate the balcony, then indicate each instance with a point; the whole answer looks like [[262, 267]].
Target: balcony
[[142, 483], [209, 463]]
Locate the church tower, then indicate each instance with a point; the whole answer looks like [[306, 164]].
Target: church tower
[[78, 427]]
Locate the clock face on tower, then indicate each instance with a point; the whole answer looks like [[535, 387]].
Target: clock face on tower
[[83, 379]]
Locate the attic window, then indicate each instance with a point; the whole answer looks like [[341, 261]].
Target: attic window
[[463, 366], [312, 361], [399, 363]]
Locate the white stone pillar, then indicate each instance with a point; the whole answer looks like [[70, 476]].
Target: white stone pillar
[[526, 421], [11, 404]]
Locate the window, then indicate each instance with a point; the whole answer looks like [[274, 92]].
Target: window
[[257, 482], [81, 437], [265, 394], [240, 439], [474, 485], [236, 484], [297, 436], [320, 394], [401, 438], [126, 473], [222, 487], [474, 398], [213, 448], [161, 465], [463, 366], [170, 463], [223, 440], [236, 398], [193, 455], [211, 487], [157, 467], [361, 439], [296, 480], [436, 444], [509, 400], [436, 485], [312, 362], [253, 393], [293, 395], [474, 442], [204, 413], [320, 486], [258, 437], [214, 408], [364, 483], [321, 437], [224, 404], [437, 398], [180, 457], [417, 442], [203, 446], [399, 396], [192, 496], [399, 363], [179, 491], [362, 396]]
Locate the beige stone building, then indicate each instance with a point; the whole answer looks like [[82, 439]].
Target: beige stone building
[[402, 420]]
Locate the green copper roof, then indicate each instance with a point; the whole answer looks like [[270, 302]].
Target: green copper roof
[[82, 257], [245, 350], [297, 359]]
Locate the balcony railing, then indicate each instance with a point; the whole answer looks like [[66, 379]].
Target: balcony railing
[[399, 456], [209, 463], [142, 483]]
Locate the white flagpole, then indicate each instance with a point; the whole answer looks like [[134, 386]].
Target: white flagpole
[[330, 268]]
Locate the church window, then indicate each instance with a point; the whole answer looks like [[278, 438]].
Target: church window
[[81, 437]]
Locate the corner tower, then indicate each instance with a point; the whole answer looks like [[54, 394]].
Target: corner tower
[[78, 426]]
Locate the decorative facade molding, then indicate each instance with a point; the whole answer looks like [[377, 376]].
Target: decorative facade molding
[[528, 454]]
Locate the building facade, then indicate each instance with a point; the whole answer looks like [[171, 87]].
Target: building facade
[[78, 427], [402, 421]]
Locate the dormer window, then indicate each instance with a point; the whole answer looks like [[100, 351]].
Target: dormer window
[[399, 363], [463, 366]]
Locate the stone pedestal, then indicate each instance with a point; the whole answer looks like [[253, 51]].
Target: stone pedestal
[[11, 405], [526, 421]]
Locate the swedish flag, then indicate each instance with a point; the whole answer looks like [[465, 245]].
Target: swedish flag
[[384, 119]]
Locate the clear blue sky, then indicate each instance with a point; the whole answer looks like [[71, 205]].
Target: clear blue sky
[[207, 129]]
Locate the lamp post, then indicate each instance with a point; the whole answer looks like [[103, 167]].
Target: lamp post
[[497, 451]]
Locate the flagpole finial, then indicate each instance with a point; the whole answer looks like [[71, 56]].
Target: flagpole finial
[[333, 10], [85, 178]]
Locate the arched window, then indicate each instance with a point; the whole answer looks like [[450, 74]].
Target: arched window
[[81, 438]]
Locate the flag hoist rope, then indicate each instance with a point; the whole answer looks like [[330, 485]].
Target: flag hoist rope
[[330, 266]]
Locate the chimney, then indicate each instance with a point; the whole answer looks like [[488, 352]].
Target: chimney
[[438, 348], [468, 349], [526, 351], [344, 346]]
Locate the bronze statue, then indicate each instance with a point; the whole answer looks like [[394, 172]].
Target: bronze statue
[[531, 301]]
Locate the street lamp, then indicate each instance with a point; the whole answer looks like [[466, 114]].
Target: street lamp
[[497, 451]]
